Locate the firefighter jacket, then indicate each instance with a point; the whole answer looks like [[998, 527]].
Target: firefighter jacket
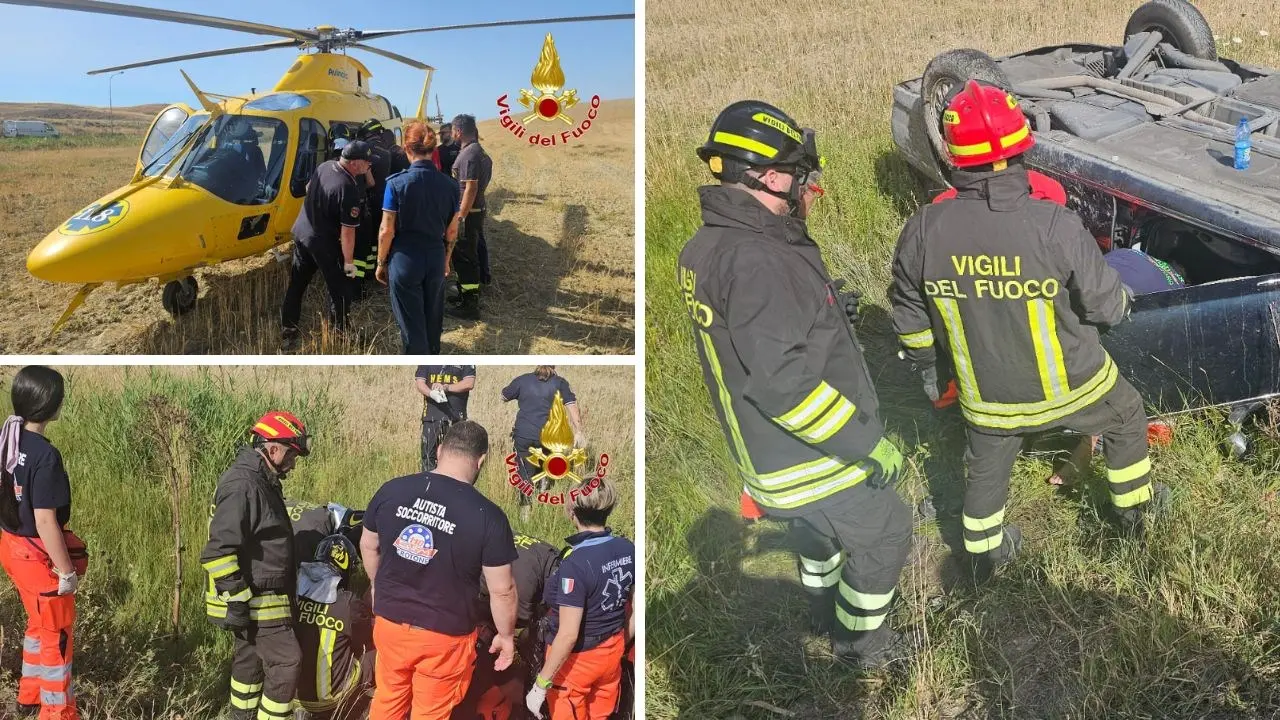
[[333, 638], [1015, 290], [249, 556], [785, 371]]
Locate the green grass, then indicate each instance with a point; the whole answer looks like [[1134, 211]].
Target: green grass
[[120, 439], [70, 142], [1086, 625]]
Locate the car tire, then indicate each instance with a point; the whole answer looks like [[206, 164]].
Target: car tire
[[1179, 23], [943, 77]]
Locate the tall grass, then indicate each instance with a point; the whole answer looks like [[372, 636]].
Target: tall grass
[[127, 434], [1084, 625], [71, 142]]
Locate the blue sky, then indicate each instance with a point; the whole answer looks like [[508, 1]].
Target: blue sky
[[47, 52]]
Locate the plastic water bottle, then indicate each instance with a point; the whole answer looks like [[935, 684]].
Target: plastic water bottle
[[1243, 144]]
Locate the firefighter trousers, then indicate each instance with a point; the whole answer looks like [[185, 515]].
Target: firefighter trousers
[[851, 549], [466, 254], [1117, 416], [47, 645], [264, 672], [433, 431]]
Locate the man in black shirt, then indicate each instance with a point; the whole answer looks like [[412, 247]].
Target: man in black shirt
[[448, 149], [455, 382], [472, 169], [324, 236]]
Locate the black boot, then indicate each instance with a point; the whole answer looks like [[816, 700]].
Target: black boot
[[468, 309], [872, 649], [1133, 521]]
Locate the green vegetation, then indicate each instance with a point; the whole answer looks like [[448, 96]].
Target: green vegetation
[[132, 438], [71, 142]]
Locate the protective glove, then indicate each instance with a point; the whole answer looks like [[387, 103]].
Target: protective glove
[[536, 697], [929, 376], [68, 583], [237, 615], [438, 395], [848, 300], [349, 270], [889, 461]]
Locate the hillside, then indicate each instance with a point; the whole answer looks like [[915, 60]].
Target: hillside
[[79, 120]]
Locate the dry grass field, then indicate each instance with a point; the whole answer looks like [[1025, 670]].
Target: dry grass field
[[1082, 626], [135, 440], [561, 235]]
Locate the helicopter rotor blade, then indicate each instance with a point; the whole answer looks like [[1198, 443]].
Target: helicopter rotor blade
[[376, 34], [393, 56], [278, 44], [146, 13]]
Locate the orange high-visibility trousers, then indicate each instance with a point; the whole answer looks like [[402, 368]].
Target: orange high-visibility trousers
[[591, 680], [46, 647], [419, 674]]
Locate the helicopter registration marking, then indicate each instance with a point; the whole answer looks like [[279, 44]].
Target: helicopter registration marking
[[92, 219]]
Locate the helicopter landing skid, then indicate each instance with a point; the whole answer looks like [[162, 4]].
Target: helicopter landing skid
[[74, 305]]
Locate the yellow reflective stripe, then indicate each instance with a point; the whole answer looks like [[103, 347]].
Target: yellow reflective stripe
[[916, 340], [726, 403], [865, 601], [773, 122], [270, 614], [1044, 337], [274, 707], [984, 524], [469, 286], [819, 581], [745, 143], [806, 494], [964, 150], [214, 611], [858, 622], [801, 414], [831, 422], [790, 476], [245, 688], [269, 601], [1130, 473], [219, 567], [1014, 138], [324, 664], [224, 598], [985, 544], [1017, 415], [1133, 497], [243, 703], [822, 567], [266, 429], [950, 312]]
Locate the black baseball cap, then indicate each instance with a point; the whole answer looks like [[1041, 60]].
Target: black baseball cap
[[357, 150]]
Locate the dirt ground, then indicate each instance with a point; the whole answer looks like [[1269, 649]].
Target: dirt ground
[[561, 235]]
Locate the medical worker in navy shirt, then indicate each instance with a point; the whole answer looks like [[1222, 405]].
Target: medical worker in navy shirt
[[427, 539], [588, 614]]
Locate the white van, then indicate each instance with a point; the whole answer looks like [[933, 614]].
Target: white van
[[27, 128]]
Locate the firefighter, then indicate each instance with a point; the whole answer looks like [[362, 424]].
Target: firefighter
[[427, 540], [1015, 292], [472, 168], [40, 555], [312, 523], [787, 377], [366, 253], [334, 627], [454, 382], [250, 562], [589, 621], [495, 695]]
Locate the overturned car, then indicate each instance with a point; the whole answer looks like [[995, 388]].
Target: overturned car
[[1142, 138]]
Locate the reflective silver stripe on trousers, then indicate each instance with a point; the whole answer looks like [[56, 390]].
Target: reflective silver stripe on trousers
[[52, 673], [52, 698], [31, 644]]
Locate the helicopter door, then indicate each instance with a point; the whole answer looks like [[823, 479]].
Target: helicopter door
[[162, 128]]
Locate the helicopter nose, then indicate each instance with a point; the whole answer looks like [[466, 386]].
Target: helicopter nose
[[57, 259]]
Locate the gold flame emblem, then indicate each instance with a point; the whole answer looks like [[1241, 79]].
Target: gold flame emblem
[[547, 79], [557, 457]]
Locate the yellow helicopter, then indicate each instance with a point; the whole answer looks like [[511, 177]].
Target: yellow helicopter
[[225, 180]]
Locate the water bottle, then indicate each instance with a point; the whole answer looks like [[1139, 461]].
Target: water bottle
[[1243, 144]]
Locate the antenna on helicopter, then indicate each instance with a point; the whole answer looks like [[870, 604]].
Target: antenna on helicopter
[[439, 116]]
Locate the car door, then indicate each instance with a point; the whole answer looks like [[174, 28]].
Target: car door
[[1211, 344]]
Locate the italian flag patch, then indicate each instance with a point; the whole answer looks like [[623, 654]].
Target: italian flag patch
[[566, 585]]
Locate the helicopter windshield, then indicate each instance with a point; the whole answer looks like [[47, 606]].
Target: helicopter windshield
[[240, 158], [162, 158]]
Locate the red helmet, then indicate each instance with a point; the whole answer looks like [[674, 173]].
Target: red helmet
[[283, 427], [983, 125]]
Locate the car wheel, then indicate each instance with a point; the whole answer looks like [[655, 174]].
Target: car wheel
[[179, 296], [1179, 23], [944, 76]]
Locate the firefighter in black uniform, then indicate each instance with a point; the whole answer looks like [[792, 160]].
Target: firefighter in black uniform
[[1016, 291], [312, 523], [456, 382], [334, 627], [500, 695], [250, 562], [366, 255], [788, 379]]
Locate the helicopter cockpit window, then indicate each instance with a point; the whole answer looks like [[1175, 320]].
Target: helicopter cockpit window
[[277, 102], [163, 129], [161, 158], [240, 159]]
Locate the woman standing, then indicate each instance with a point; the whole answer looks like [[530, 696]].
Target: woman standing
[[419, 227], [534, 394], [589, 617], [43, 559]]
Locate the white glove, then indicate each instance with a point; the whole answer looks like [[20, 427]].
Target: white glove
[[534, 700], [68, 583], [438, 395], [349, 270]]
